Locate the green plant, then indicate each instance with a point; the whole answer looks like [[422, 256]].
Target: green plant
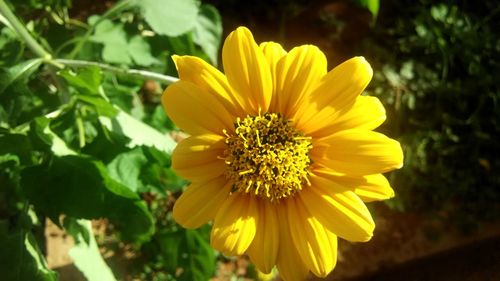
[[83, 136], [436, 68]]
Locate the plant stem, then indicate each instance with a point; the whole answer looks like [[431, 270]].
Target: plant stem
[[23, 32], [24, 35], [81, 131], [133, 72]]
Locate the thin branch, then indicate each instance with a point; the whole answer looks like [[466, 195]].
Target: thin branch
[[21, 30], [133, 72]]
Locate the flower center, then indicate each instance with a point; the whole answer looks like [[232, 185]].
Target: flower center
[[267, 156]]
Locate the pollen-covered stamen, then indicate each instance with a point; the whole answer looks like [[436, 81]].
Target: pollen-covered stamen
[[267, 156]]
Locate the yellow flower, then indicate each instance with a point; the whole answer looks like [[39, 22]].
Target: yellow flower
[[281, 154]]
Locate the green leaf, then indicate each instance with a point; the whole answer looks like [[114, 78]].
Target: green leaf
[[169, 17], [43, 138], [86, 254], [190, 251], [77, 229], [158, 175], [118, 48], [80, 187], [439, 12], [8, 159], [106, 145], [116, 53], [157, 156], [26, 97], [18, 72], [126, 168], [138, 132], [207, 32], [86, 80], [106, 31], [171, 180], [12, 48], [16, 144], [140, 51], [370, 5], [160, 121], [102, 106], [20, 257], [114, 39]]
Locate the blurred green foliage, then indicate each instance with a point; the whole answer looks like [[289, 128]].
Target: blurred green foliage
[[437, 65], [81, 143]]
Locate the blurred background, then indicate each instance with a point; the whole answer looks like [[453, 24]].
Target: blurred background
[[436, 69]]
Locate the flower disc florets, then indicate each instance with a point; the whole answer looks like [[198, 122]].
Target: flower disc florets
[[267, 156]]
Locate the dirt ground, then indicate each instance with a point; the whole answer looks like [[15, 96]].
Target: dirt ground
[[475, 262], [409, 247]]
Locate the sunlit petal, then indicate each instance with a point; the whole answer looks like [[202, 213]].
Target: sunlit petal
[[297, 73], [194, 110], [210, 80], [366, 113], [317, 245], [235, 224], [200, 202], [342, 212], [289, 263], [197, 158], [247, 70], [335, 94], [358, 152], [273, 53], [368, 188], [264, 249]]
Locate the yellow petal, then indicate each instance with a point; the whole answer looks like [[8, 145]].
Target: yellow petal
[[200, 202], [194, 110], [264, 248], [297, 73], [368, 188], [247, 70], [197, 158], [358, 153], [273, 53], [375, 187], [210, 80], [289, 263], [336, 92], [317, 245], [367, 113], [343, 213], [235, 224]]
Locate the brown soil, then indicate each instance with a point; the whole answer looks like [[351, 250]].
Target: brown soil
[[58, 245], [478, 261], [82, 9], [405, 244]]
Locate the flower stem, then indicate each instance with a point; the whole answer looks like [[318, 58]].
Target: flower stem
[[133, 72]]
